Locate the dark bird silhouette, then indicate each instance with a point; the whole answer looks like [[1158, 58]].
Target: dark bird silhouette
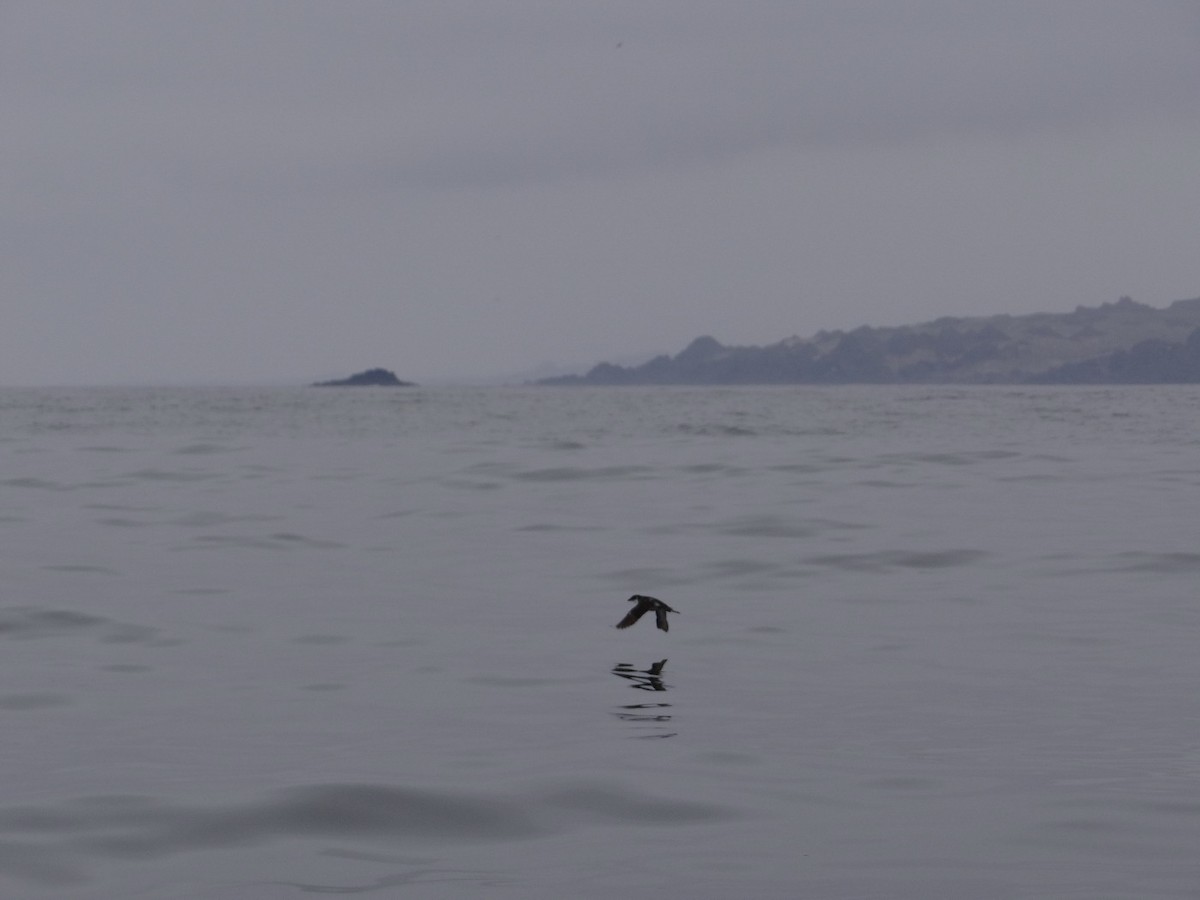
[[645, 605]]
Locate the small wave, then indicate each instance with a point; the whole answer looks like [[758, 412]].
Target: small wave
[[32, 622], [717, 430], [80, 569], [737, 568], [170, 475], [31, 701], [204, 449], [137, 828], [712, 469], [320, 639], [38, 483], [210, 519], [897, 559], [551, 527], [278, 541], [769, 526], [1167, 563], [645, 575], [580, 473], [961, 458]]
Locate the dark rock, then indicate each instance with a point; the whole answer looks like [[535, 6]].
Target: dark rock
[[371, 377]]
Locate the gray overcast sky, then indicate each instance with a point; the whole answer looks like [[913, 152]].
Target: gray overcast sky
[[234, 191]]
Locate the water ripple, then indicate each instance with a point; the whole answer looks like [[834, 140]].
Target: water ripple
[[30, 622], [579, 473], [123, 827], [886, 560], [1176, 563], [31, 701]]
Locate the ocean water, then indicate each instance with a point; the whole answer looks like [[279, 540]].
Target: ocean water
[[931, 643]]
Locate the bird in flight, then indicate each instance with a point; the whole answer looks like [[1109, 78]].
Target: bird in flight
[[645, 605]]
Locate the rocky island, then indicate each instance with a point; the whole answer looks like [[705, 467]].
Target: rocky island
[[369, 378], [1116, 343]]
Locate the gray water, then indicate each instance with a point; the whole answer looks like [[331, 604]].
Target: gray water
[[931, 643]]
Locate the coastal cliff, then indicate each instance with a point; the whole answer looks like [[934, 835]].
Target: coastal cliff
[[1115, 343]]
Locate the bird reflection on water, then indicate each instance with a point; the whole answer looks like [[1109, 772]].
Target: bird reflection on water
[[649, 679], [643, 679]]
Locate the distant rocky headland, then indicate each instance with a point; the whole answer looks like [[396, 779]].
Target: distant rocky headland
[[371, 377], [1116, 343]]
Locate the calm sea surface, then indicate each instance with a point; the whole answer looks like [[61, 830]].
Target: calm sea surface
[[933, 643]]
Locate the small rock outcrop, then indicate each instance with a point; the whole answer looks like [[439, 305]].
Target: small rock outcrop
[[369, 378]]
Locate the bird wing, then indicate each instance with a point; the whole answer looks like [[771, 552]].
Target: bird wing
[[634, 614], [661, 616]]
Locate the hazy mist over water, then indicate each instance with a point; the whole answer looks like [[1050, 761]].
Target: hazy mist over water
[[931, 643]]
